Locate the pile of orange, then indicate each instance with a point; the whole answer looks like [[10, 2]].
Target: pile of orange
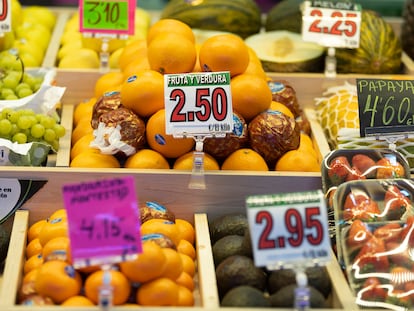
[[171, 48], [162, 275]]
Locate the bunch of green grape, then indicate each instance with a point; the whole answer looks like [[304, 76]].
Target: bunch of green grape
[[15, 82], [25, 126]]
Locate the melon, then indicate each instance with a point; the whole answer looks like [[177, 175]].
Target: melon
[[241, 17]]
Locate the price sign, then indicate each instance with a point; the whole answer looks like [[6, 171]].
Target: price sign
[[5, 16], [103, 221], [109, 17], [332, 24], [385, 107], [289, 229], [198, 103]]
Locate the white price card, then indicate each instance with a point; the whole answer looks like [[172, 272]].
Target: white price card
[[289, 229], [5, 16], [198, 104], [331, 24]]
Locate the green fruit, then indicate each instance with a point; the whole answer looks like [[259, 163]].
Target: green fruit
[[226, 225], [226, 247], [245, 296], [242, 17], [285, 15], [285, 297]]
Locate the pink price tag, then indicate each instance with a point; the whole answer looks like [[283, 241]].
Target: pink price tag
[[104, 221]]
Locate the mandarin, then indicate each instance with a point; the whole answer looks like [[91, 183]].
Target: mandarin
[[107, 82], [278, 106], [298, 160], [83, 127], [34, 229], [143, 92], [58, 280], [187, 248], [185, 297], [55, 227], [170, 25], [135, 66], [186, 230], [186, 162], [224, 52], [149, 265], [189, 265], [77, 301], [159, 292], [33, 248], [173, 265], [133, 50], [121, 287], [91, 159], [250, 94], [33, 262], [147, 159], [245, 159], [162, 226], [57, 249], [166, 144], [170, 53], [184, 279], [83, 144]]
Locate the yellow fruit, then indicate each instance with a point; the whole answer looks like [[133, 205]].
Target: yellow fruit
[[82, 58]]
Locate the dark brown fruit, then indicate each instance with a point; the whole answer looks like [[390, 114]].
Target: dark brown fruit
[[283, 92], [155, 210]]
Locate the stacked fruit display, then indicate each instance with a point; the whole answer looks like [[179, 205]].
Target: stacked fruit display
[[268, 134], [78, 51], [32, 28], [162, 275]]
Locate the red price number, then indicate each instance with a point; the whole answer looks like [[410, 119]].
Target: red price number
[[4, 10], [345, 25], [210, 103], [297, 229]]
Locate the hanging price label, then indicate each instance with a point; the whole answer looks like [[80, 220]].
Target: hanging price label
[[109, 17], [331, 24], [289, 229], [198, 103], [103, 218], [5, 16]]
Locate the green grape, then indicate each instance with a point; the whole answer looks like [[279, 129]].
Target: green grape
[[24, 122], [49, 135], [13, 116], [48, 122], [21, 85], [5, 127], [11, 97], [28, 112], [6, 92], [15, 129], [11, 80], [59, 130], [5, 113], [55, 145], [24, 92], [37, 130], [19, 138]]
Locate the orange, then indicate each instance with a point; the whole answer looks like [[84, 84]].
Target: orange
[[34, 229], [171, 26], [166, 144], [307, 144], [136, 65], [32, 263], [55, 227], [59, 213], [277, 106], [107, 82], [298, 160], [162, 226], [82, 128], [77, 301], [83, 144], [147, 159], [58, 280], [121, 288], [143, 92], [158, 292], [90, 159], [185, 297], [171, 53], [255, 68], [197, 67], [184, 279], [224, 52], [149, 265], [83, 110], [57, 249], [187, 248], [33, 248], [245, 159], [185, 162], [173, 264], [186, 230], [132, 51], [250, 94], [188, 264], [30, 276]]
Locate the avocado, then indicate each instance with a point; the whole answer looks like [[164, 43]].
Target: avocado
[[226, 225], [245, 296], [318, 277], [239, 270], [285, 297], [227, 246], [247, 247], [5, 233]]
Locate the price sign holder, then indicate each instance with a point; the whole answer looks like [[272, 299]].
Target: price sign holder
[[385, 109], [106, 20], [290, 231], [198, 105], [104, 226], [332, 24], [5, 17]]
